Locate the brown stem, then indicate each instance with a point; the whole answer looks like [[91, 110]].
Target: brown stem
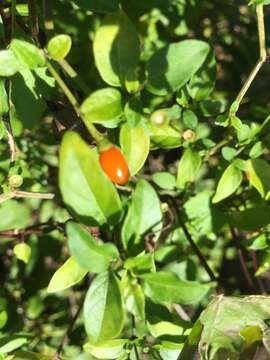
[[255, 266], [194, 246], [11, 140], [67, 335], [263, 54], [6, 23], [33, 229], [48, 17], [241, 257], [34, 23]]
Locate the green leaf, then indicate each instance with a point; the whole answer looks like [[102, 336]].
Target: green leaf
[[171, 67], [3, 318], [14, 215], [164, 180], [135, 299], [164, 328], [214, 107], [256, 150], [251, 219], [27, 97], [191, 343], [28, 54], [226, 317], [116, 48], [103, 105], [85, 187], [9, 63], [188, 168], [258, 2], [140, 264], [203, 215], [135, 145], [28, 355], [134, 112], [69, 274], [167, 287], [89, 254], [259, 243], [164, 136], [22, 252], [103, 309], [59, 46], [264, 265], [111, 349], [169, 350], [143, 215], [4, 106], [228, 183], [228, 153], [11, 343], [258, 172], [98, 5], [203, 81], [190, 119], [251, 334]]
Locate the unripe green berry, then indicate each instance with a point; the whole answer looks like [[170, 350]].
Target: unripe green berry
[[189, 135], [15, 181], [164, 207], [159, 118]]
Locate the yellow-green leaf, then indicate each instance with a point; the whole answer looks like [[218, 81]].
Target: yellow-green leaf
[[69, 274], [258, 171], [188, 168], [59, 46], [135, 145], [22, 252], [228, 183], [116, 48]]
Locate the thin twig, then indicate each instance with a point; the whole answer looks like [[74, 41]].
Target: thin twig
[[193, 244], [13, 16], [181, 312], [33, 229], [48, 18], [5, 197], [11, 139], [5, 23], [25, 194], [258, 279], [217, 147], [34, 23], [72, 73], [242, 259], [263, 54], [73, 101], [33, 195], [67, 335]]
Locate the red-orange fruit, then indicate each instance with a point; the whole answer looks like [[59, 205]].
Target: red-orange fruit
[[114, 165]]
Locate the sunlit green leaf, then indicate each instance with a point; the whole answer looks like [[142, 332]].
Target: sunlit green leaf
[[116, 48], [59, 46], [135, 145], [69, 274], [103, 309], [103, 105], [172, 66], [167, 287], [228, 183], [88, 252], [144, 214], [84, 185]]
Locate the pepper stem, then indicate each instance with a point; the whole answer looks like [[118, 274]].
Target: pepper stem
[[99, 137]]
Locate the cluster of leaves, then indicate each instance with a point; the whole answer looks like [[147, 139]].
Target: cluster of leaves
[[158, 78]]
